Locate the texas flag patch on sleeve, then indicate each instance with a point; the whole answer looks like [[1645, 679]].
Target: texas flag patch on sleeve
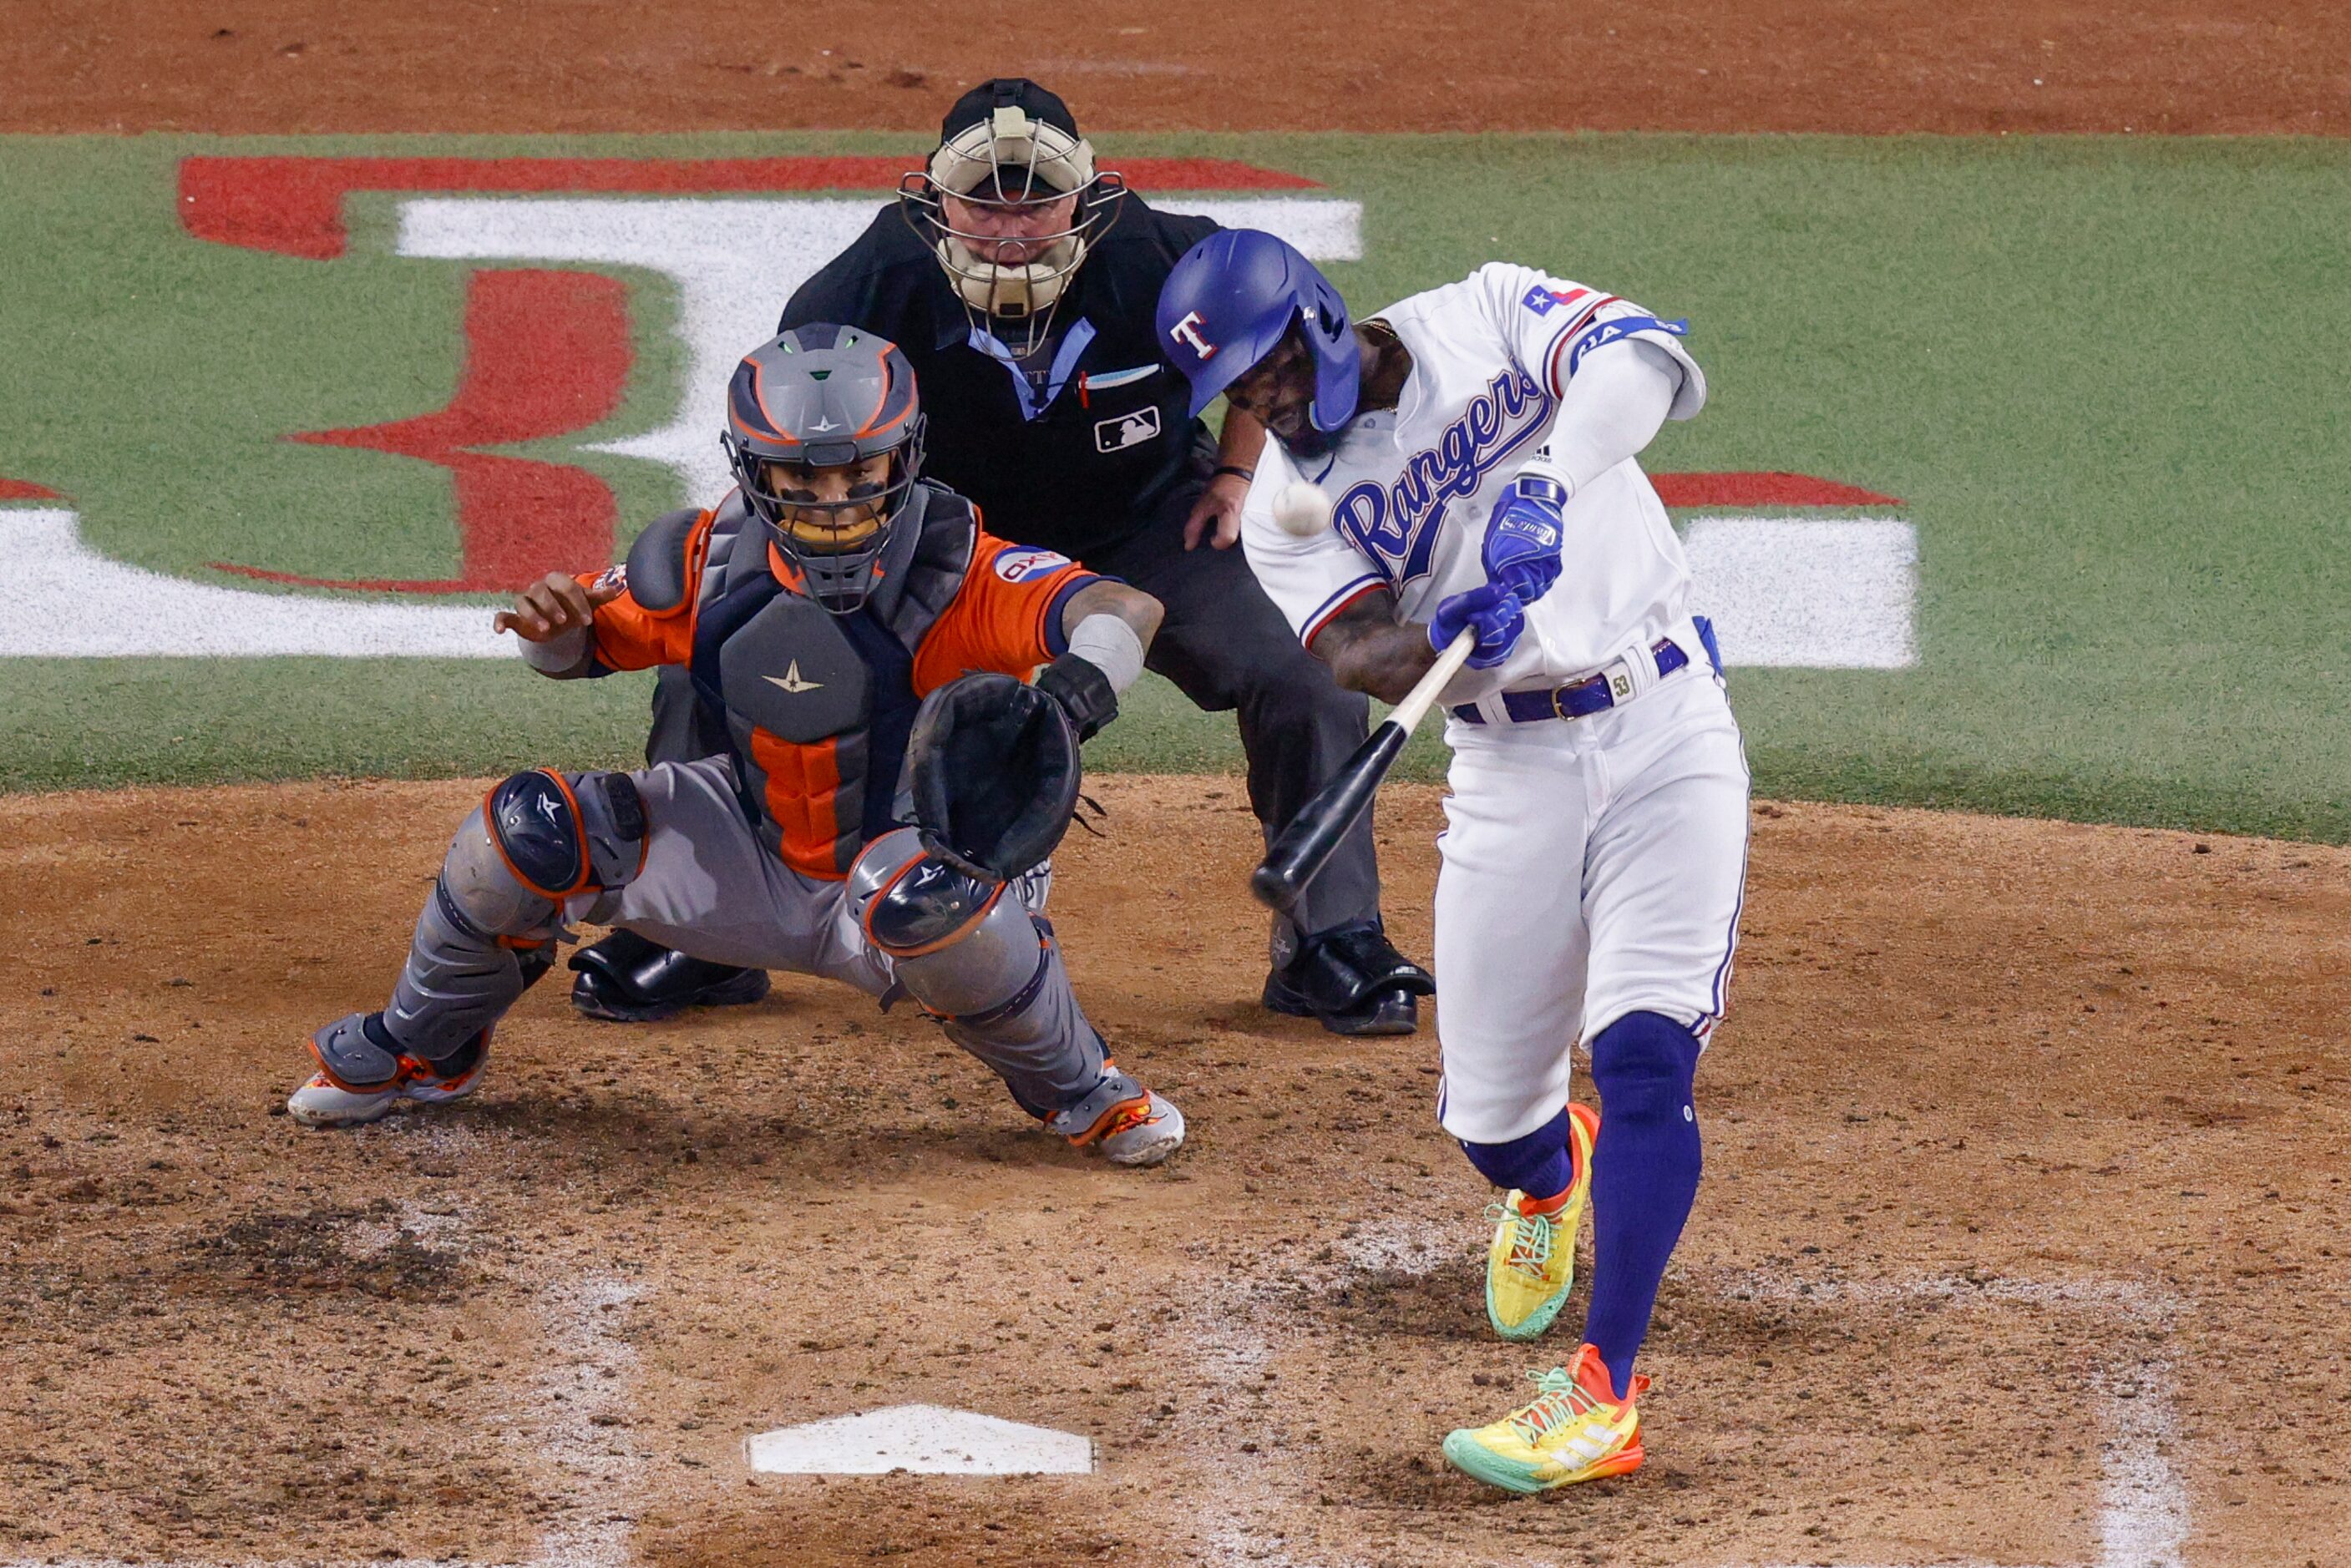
[[1543, 301]]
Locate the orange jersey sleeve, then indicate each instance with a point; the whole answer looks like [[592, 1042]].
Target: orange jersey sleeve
[[1005, 618], [631, 637]]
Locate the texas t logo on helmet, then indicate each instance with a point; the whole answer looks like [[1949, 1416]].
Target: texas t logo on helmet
[[1243, 291], [1187, 332]]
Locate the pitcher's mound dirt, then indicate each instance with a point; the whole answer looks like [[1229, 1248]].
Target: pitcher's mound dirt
[[2024, 1149], [242, 66]]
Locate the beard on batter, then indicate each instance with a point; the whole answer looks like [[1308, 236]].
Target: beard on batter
[[1311, 445]]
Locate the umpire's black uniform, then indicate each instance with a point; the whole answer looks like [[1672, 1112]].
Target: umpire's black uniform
[[1102, 462], [1089, 449]]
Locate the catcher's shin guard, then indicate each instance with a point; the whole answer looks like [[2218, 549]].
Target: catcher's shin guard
[[540, 839], [977, 959]]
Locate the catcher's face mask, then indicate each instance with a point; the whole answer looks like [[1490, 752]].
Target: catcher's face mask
[[1009, 205], [829, 511], [825, 436]]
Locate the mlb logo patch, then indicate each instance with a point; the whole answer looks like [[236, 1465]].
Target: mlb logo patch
[[1124, 431], [1027, 565]]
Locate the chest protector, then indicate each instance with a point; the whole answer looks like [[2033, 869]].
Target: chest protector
[[816, 705]]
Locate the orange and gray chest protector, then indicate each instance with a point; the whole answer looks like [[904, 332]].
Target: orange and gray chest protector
[[818, 747]]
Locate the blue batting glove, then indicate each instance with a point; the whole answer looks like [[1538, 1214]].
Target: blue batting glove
[[1523, 536], [1493, 613]]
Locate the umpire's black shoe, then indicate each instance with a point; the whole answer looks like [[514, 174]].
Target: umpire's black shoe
[[624, 978], [1351, 978]]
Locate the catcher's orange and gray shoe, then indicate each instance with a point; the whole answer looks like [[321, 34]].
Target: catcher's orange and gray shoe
[[335, 1099], [1574, 1429], [1128, 1123]]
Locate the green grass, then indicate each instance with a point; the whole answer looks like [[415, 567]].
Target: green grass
[[2104, 374]]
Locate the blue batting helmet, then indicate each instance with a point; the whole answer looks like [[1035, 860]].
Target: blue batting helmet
[[1230, 300]]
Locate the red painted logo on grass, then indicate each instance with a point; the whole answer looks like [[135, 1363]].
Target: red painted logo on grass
[[547, 350]]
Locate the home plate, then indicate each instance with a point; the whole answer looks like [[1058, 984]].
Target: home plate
[[925, 1440]]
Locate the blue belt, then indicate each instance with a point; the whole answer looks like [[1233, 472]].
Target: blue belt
[[1579, 699]]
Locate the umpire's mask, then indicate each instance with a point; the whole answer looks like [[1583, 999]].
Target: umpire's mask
[[1009, 204], [825, 436]]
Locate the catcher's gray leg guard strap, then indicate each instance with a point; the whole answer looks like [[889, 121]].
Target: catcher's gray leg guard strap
[[540, 839], [973, 955]]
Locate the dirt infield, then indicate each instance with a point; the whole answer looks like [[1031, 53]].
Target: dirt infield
[[2173, 67], [2021, 1233], [2021, 1240]]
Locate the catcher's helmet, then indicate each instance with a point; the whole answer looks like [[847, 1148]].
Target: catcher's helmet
[[1010, 147], [824, 397], [1231, 300]]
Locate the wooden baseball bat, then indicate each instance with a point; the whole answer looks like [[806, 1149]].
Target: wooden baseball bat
[[1306, 844]]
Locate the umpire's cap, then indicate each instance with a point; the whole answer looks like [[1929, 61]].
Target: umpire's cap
[[980, 104]]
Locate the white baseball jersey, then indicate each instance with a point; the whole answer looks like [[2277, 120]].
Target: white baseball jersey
[[1591, 867], [1413, 486]]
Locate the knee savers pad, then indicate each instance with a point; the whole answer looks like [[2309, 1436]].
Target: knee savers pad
[[1644, 1064], [963, 945], [540, 839]]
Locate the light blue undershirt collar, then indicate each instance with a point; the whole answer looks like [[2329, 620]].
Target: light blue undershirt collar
[[1033, 403]]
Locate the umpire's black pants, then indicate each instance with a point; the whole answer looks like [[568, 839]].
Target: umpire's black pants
[[1227, 647]]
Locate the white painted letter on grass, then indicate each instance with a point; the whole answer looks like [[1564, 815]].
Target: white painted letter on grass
[[67, 601], [1828, 594], [735, 263]]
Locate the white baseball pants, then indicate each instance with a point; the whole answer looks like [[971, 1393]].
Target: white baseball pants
[[1591, 867]]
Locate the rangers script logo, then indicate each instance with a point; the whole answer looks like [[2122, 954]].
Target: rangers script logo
[[1396, 525]]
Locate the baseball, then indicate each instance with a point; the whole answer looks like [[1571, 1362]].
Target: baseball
[[1303, 510]]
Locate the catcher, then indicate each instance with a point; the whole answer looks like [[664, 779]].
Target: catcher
[[832, 608]]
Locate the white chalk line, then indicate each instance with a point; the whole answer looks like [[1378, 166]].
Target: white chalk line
[[2143, 1517], [2143, 1510], [586, 1382]]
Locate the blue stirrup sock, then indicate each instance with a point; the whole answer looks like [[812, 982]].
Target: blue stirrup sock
[[1645, 1175], [1537, 1164]]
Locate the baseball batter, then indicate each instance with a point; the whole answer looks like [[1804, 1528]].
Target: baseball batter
[[832, 611], [1477, 443]]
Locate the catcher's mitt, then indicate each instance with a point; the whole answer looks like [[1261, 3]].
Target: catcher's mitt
[[993, 765]]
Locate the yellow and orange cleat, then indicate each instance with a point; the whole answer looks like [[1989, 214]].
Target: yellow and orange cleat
[[1574, 1429], [1530, 1262]]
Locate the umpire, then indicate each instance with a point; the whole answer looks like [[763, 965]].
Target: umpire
[[1022, 283]]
